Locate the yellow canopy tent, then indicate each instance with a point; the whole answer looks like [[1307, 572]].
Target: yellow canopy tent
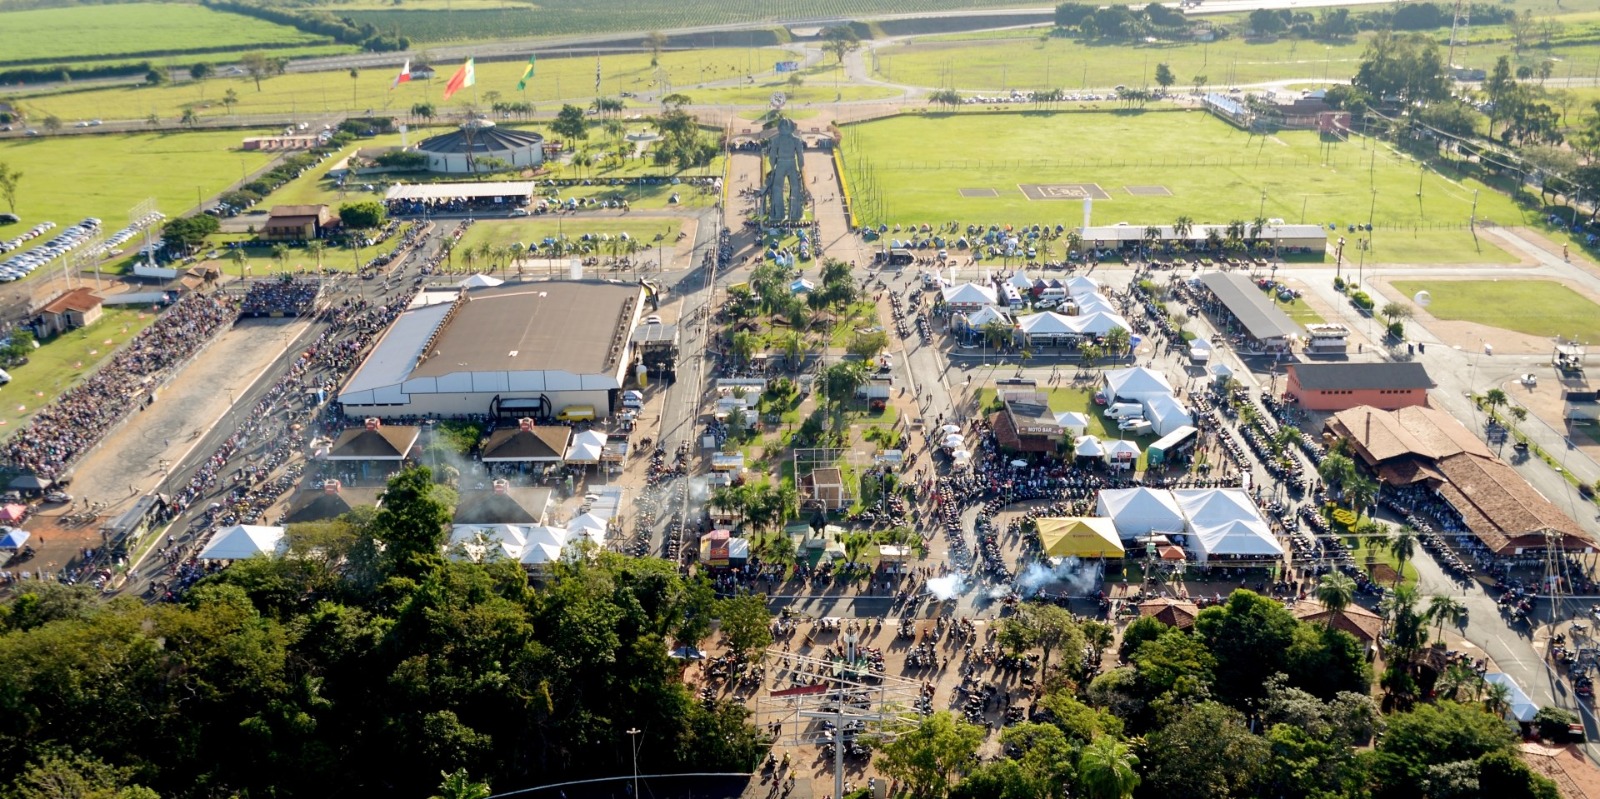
[[1079, 537]]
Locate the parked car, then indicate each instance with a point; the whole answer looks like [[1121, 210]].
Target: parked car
[[58, 497]]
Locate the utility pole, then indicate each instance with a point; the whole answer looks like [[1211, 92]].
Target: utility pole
[[633, 737]]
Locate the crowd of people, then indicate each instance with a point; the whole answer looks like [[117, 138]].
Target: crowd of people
[[84, 414], [280, 297]]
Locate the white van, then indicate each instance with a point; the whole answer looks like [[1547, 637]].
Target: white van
[[633, 399], [1122, 410]]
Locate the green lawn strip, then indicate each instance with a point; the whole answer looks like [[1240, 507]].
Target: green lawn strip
[[1534, 307], [63, 361], [319, 93]]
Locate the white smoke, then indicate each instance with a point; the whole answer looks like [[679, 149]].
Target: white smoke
[[1079, 577], [948, 587]]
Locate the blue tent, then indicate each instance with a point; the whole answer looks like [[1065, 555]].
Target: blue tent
[[14, 538]]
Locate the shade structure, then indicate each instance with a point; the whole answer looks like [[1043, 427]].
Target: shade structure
[[1124, 452], [1074, 422], [951, 428], [30, 482], [12, 512], [1520, 707], [586, 447], [1088, 447], [1079, 537], [953, 440], [1166, 414], [985, 315], [1140, 511], [243, 541], [687, 653], [1221, 370], [1132, 385], [14, 538], [480, 281], [1237, 539], [481, 542], [588, 526]]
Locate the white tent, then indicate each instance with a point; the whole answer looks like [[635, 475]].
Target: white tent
[[1076, 424], [1200, 350], [1221, 370], [243, 541], [1140, 511], [1122, 452], [586, 447], [482, 542], [1088, 447], [1080, 285], [479, 282], [985, 315], [970, 295], [590, 526], [1134, 384], [1048, 324], [1099, 323], [1021, 283], [1166, 414], [1093, 303], [1208, 507], [1236, 539]]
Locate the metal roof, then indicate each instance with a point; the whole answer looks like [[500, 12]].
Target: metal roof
[[1361, 375], [451, 191], [1259, 315]]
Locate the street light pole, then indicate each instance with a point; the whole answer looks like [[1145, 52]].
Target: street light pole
[[633, 736]]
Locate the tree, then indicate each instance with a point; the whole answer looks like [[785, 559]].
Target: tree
[[257, 65], [925, 757], [1048, 626], [52, 124], [201, 71], [746, 623], [457, 785], [411, 521], [155, 77], [1106, 769], [1445, 608], [1266, 22], [655, 41], [10, 178], [1441, 733], [355, 75], [1182, 227], [1176, 665], [1117, 341], [570, 123], [1164, 77], [840, 40], [840, 381], [280, 253], [230, 98], [867, 345], [1495, 399], [1393, 312], [1199, 83], [1336, 470], [1205, 753], [363, 215], [187, 232], [1405, 66], [1403, 544], [1335, 591], [189, 118]]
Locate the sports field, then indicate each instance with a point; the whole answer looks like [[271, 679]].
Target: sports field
[[101, 32], [67, 178], [1535, 307], [916, 168], [320, 92]]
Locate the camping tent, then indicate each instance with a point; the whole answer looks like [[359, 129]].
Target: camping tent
[[1076, 424], [479, 282], [1079, 537], [1088, 447], [801, 286], [1140, 511], [1200, 350], [243, 541], [1134, 384], [586, 447]]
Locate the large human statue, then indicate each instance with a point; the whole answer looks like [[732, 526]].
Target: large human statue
[[786, 193]]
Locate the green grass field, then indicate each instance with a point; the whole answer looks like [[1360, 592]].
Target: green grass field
[[63, 361], [67, 178], [320, 92], [814, 91], [102, 32], [1215, 174], [1534, 307]]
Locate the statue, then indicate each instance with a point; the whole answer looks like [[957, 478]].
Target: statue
[[785, 191]]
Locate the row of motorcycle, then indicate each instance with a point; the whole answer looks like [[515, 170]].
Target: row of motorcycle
[[897, 309]]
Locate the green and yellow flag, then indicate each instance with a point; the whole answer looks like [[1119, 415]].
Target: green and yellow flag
[[526, 73]]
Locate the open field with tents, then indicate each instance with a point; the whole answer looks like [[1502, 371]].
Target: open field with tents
[[915, 169]]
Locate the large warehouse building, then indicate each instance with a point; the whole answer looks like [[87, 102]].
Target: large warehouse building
[[524, 350]]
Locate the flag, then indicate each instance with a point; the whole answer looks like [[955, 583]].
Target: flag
[[463, 78], [522, 85], [404, 76], [597, 74]]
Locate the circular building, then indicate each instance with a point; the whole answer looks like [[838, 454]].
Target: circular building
[[458, 152]]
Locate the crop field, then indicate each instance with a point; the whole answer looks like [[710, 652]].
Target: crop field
[[560, 17], [319, 92], [101, 32], [65, 179], [912, 170]]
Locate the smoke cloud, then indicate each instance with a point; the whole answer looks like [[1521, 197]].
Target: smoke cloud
[[948, 587], [1080, 578]]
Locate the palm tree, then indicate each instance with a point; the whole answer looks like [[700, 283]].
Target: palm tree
[[1496, 697], [1403, 543], [1213, 240], [1106, 769], [458, 785], [1494, 398], [1286, 436], [1443, 608], [317, 247], [1361, 492], [1183, 227], [1117, 340], [1152, 234], [1257, 227], [1235, 231], [280, 253], [1336, 470], [1336, 591], [238, 257], [996, 333], [855, 545], [469, 256], [1458, 677]]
